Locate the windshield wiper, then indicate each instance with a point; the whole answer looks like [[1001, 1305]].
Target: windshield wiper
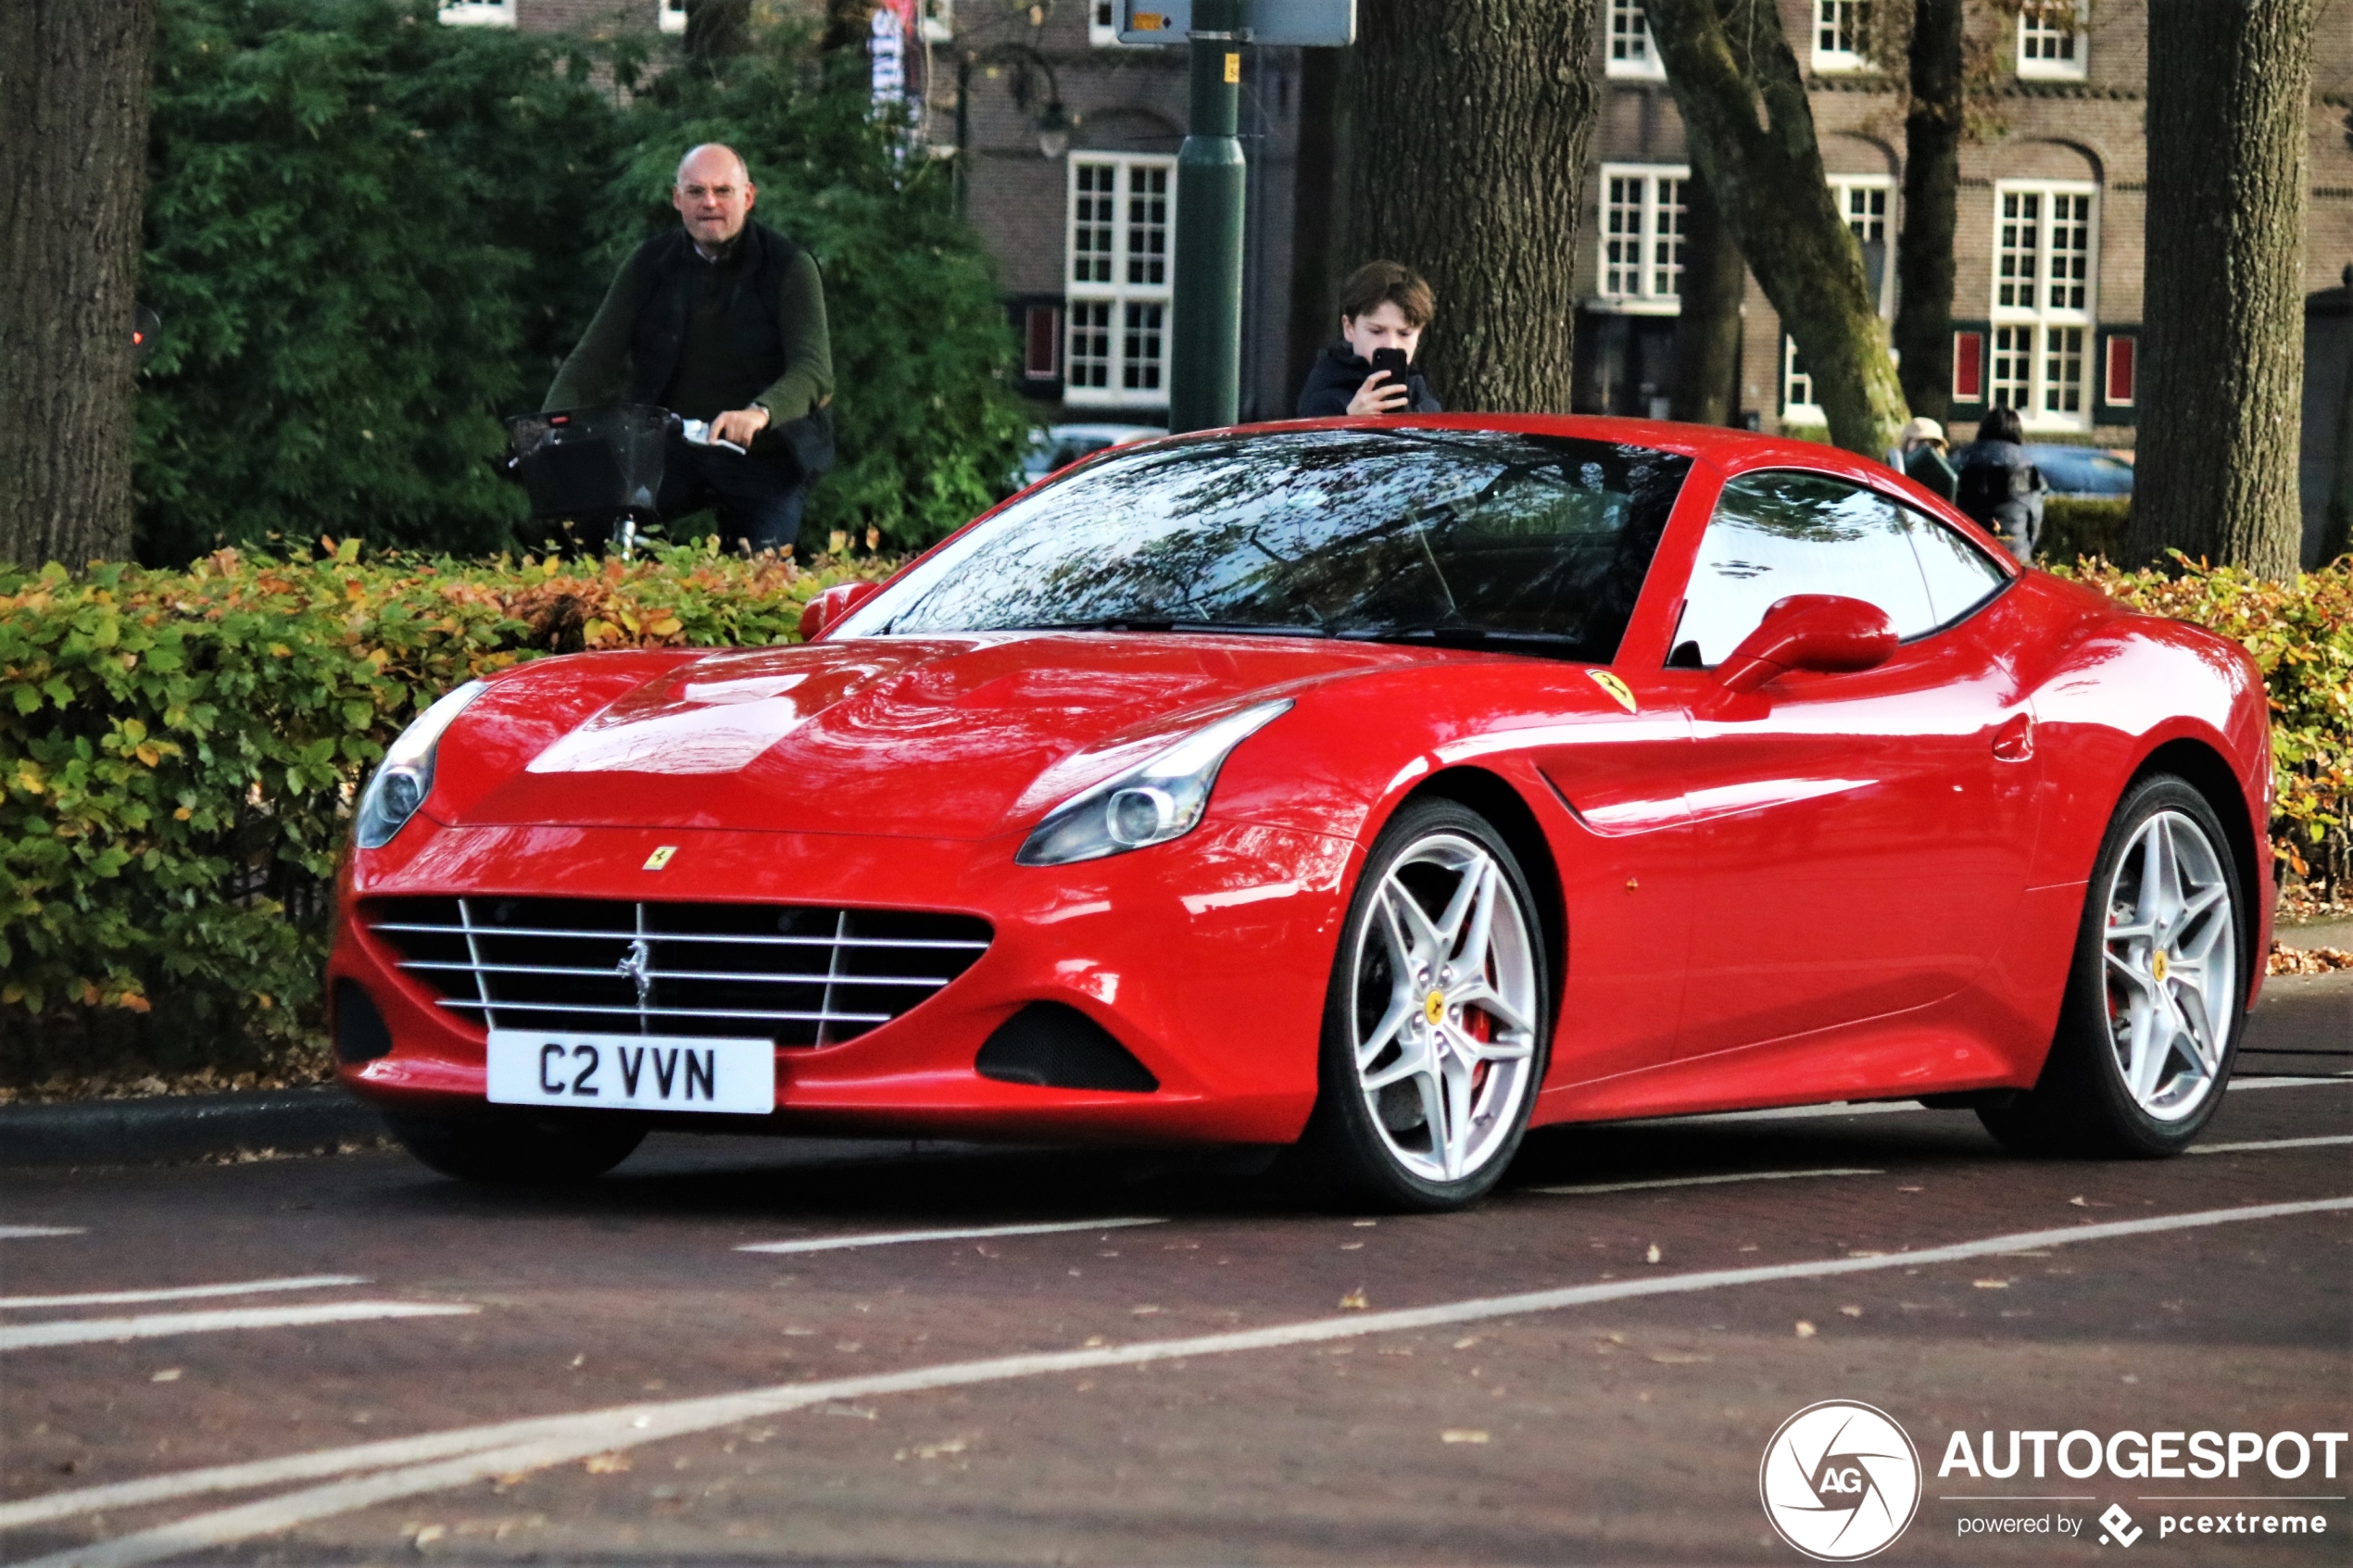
[[1444, 634], [1149, 624]]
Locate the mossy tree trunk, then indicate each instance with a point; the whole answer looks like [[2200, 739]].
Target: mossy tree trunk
[[2222, 332], [1470, 129], [1932, 127], [1750, 132], [1707, 330], [74, 163]]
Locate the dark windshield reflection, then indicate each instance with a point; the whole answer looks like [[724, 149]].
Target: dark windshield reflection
[[1470, 536]]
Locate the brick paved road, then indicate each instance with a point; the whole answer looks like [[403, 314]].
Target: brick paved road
[[1303, 1420]]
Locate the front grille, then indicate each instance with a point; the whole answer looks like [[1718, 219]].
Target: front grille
[[801, 976]]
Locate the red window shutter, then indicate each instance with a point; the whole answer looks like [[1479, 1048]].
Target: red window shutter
[[1969, 367], [1042, 356], [2124, 356]]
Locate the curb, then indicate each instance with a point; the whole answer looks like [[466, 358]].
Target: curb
[[169, 1129]]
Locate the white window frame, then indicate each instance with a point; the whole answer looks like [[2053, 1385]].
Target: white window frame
[[1647, 298], [1839, 19], [1124, 289], [2044, 317], [669, 16], [1798, 401], [477, 13], [2034, 35], [1102, 25], [1629, 52]]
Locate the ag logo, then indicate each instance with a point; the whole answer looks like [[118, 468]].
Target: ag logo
[[1840, 1480]]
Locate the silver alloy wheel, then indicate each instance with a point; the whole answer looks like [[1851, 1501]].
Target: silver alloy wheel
[[2171, 965], [1445, 1007]]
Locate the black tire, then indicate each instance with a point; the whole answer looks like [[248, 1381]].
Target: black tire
[[2084, 1107], [1347, 1156], [519, 1148]]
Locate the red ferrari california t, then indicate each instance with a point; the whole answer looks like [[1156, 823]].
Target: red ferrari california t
[[1380, 787]]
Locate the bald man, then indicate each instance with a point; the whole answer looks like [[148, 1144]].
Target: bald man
[[721, 320]]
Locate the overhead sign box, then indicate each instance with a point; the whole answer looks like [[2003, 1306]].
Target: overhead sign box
[[1303, 24]]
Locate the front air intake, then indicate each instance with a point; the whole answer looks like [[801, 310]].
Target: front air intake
[[1056, 1046], [799, 975]]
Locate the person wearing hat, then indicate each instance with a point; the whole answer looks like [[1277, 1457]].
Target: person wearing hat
[[1922, 458]]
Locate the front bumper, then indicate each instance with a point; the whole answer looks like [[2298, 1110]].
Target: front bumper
[[1207, 957]]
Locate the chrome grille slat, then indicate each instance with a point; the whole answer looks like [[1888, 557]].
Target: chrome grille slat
[[684, 936], [688, 974], [583, 965]]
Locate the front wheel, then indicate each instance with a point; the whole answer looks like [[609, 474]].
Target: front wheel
[[1435, 1027], [517, 1148], [2154, 1003]]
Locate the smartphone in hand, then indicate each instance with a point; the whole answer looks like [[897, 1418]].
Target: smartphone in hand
[[1393, 361]]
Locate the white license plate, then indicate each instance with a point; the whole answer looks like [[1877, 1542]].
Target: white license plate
[[633, 1071]]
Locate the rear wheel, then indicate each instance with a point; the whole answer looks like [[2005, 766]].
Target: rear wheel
[[519, 1148], [2150, 1024], [1434, 1027]]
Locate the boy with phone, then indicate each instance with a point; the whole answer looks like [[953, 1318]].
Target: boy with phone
[[1384, 306]]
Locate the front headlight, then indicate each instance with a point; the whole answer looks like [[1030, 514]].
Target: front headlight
[[405, 777], [1160, 798]]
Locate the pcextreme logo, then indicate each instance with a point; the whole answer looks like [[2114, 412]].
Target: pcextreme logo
[[1840, 1480]]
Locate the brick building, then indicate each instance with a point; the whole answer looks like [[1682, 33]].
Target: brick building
[[2047, 300]]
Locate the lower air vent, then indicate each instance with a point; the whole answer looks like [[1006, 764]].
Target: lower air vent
[[359, 1031], [799, 975], [1059, 1047]]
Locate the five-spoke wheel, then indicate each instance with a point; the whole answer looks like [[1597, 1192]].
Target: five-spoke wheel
[[1435, 1029], [2150, 1022]]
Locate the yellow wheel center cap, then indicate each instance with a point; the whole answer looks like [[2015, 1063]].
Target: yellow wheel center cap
[[1434, 1007], [2157, 966]]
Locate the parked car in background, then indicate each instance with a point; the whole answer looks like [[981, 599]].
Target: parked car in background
[[2084, 473], [1055, 447]]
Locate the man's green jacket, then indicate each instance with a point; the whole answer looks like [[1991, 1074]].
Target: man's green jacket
[[700, 335]]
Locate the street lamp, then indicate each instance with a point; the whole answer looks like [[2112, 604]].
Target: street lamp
[[1053, 123]]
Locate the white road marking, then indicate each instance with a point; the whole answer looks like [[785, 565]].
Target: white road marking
[[179, 1292], [21, 1233], [1890, 1107], [158, 1325], [2267, 1143], [466, 1456], [1698, 1181], [888, 1238]]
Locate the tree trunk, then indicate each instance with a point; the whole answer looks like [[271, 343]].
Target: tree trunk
[[1471, 123], [2224, 311], [1315, 266], [1931, 195], [1707, 332], [1750, 133], [73, 161]]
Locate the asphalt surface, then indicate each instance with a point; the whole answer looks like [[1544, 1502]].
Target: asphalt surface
[[884, 1410]]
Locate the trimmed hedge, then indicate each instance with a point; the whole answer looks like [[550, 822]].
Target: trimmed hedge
[[179, 752]]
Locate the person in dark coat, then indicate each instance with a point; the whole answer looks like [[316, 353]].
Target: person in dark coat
[[1999, 485], [1920, 457], [721, 321], [1383, 305]]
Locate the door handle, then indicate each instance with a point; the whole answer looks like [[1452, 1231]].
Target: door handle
[[2014, 742]]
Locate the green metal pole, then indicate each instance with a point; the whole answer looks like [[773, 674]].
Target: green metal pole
[[1204, 376]]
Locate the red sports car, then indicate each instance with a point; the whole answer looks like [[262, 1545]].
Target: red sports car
[[1380, 788]]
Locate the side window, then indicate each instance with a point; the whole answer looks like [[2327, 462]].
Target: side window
[[1959, 577], [1775, 534]]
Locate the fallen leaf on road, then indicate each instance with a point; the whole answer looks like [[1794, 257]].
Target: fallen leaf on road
[[1142, 1311], [605, 1464], [1851, 1311], [1991, 1284], [1354, 1300], [1805, 1329], [1679, 1357], [1093, 1342], [1462, 1434], [168, 1374], [426, 1534], [932, 1451], [1466, 1341], [1652, 1257]]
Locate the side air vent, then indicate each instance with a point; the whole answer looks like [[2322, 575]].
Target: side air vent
[[360, 1034], [1059, 1047]]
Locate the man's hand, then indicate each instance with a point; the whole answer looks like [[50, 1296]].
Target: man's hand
[[1380, 396], [739, 425]]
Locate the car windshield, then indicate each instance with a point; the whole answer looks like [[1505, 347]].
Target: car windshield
[[1470, 537]]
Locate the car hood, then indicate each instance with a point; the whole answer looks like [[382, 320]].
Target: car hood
[[936, 737]]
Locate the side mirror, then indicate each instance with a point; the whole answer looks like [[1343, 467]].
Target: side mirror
[[1822, 631], [829, 609]]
